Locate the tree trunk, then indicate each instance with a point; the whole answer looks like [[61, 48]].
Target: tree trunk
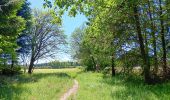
[[147, 50], [31, 65], [153, 40], [94, 63], [163, 40], [12, 64], [142, 47], [113, 66]]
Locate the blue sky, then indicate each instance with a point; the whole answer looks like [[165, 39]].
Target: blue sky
[[69, 24]]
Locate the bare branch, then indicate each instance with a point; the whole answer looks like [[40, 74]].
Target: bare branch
[[46, 37]]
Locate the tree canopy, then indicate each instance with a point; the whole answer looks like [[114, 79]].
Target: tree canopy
[[118, 29]]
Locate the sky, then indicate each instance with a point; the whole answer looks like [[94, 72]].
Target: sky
[[69, 24]]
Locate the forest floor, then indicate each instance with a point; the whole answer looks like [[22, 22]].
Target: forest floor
[[52, 84]]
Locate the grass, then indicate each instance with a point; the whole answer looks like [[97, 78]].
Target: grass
[[93, 86], [43, 84], [51, 84]]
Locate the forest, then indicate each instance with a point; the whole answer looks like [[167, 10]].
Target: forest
[[122, 50]]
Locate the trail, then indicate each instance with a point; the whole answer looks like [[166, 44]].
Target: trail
[[71, 91]]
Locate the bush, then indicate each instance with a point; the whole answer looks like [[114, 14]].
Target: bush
[[81, 68], [107, 70], [1, 69], [11, 71], [17, 69]]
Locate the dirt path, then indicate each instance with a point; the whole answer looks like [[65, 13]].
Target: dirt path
[[71, 91]]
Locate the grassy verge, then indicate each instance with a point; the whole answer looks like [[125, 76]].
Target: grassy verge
[[43, 84], [51, 84], [94, 87]]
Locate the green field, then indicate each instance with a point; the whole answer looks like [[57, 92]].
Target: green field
[[44, 84], [51, 84], [93, 86]]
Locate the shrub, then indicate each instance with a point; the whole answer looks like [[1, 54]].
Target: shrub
[[11, 71], [107, 70]]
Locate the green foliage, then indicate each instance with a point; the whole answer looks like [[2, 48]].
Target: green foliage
[[57, 64], [116, 28], [11, 26], [7, 70]]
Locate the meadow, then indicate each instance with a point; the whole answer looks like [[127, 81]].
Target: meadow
[[124, 46], [95, 86], [43, 84], [51, 84]]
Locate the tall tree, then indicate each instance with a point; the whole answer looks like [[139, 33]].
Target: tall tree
[[10, 25], [23, 39], [153, 32], [162, 32], [141, 42], [46, 37], [129, 26]]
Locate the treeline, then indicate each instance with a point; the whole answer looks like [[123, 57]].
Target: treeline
[[125, 33], [58, 64], [26, 35]]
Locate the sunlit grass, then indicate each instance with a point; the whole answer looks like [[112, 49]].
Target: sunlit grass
[[43, 84], [51, 84], [93, 86], [55, 70]]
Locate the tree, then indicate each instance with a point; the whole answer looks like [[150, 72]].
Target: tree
[[10, 25], [46, 37], [7, 3], [163, 38], [76, 41], [120, 27], [23, 39], [153, 32], [142, 47]]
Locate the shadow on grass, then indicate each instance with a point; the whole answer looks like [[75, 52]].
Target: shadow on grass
[[11, 87], [7, 91], [133, 88]]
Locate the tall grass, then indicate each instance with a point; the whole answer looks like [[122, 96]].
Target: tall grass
[[41, 85], [51, 84], [93, 86]]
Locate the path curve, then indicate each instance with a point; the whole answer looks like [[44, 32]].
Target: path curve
[[71, 91]]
